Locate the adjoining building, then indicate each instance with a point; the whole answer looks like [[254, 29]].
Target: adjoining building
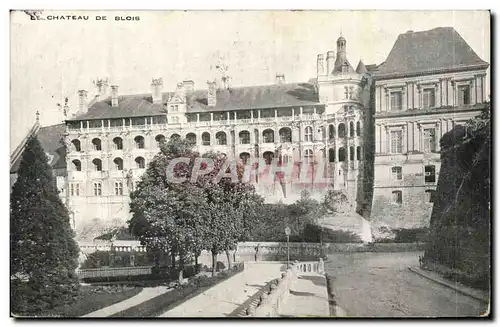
[[375, 128]]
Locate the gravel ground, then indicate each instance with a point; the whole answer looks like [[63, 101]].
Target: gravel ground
[[380, 285]]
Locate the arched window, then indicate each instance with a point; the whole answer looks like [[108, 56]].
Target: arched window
[[96, 144], [244, 137], [285, 135], [351, 153], [140, 162], [191, 138], [308, 156], [118, 163], [139, 142], [268, 157], [342, 154], [175, 136], [351, 129], [118, 188], [341, 130], [285, 158], [205, 138], [268, 136], [308, 134], [160, 139], [331, 155], [97, 164], [221, 138], [358, 128], [77, 165], [76, 145], [118, 143], [358, 153], [331, 131], [244, 157]]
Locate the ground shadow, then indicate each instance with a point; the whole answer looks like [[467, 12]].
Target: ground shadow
[[317, 280], [302, 293]]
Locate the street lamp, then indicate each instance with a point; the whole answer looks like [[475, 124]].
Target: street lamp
[[287, 233]]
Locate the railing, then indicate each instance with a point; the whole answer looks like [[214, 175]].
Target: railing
[[113, 271], [107, 247]]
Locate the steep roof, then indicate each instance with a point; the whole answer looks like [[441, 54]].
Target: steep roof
[[361, 69], [50, 137], [438, 49], [238, 98]]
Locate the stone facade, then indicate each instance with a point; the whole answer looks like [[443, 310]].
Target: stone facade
[[372, 131]]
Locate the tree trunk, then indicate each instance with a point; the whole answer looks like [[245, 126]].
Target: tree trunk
[[229, 260], [214, 262], [172, 253], [196, 263]]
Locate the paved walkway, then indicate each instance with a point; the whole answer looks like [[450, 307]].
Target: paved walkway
[[381, 285], [221, 300], [308, 298], [144, 295]]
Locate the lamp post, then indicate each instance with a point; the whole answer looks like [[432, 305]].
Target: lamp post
[[287, 233]]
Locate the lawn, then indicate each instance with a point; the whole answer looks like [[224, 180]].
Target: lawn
[[92, 298]]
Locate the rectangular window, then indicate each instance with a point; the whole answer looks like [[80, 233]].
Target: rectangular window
[[397, 173], [430, 174], [430, 196], [77, 190], [397, 197], [72, 190], [396, 141], [429, 140], [463, 95], [118, 188], [429, 98], [396, 100], [97, 189]]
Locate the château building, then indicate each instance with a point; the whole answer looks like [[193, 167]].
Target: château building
[[373, 130]]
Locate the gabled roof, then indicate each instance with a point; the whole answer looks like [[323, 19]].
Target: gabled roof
[[50, 137], [238, 98], [438, 49]]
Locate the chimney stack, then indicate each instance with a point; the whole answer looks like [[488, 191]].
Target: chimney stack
[[156, 87], [280, 78], [320, 65], [82, 101], [188, 91], [114, 95], [212, 94], [330, 62]]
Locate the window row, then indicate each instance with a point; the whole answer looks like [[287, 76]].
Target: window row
[[342, 131], [342, 154], [139, 143], [429, 97], [429, 173], [429, 140], [96, 188], [397, 196], [140, 163]]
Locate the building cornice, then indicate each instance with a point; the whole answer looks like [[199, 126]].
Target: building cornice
[[382, 76]]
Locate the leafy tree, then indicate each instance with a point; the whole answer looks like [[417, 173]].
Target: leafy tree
[[207, 212], [44, 254]]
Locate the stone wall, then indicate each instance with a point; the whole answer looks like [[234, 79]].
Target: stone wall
[[460, 222]]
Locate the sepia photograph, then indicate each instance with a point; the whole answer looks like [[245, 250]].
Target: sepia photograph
[[250, 164]]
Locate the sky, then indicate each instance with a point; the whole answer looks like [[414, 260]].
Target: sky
[[53, 59]]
